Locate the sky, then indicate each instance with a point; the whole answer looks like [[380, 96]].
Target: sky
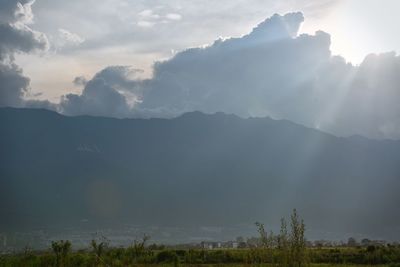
[[327, 64]]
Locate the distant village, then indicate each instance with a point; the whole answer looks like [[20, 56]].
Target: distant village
[[254, 242]]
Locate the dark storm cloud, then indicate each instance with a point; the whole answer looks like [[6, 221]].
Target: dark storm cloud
[[12, 85], [15, 37]]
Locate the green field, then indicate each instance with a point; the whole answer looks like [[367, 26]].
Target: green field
[[140, 256]]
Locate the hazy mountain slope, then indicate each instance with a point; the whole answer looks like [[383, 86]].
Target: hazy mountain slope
[[193, 170]]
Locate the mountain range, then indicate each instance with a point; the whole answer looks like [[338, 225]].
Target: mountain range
[[196, 169]]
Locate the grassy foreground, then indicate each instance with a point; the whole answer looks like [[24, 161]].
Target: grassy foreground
[[137, 256]]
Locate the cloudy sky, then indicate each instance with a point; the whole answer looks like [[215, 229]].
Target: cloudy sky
[[327, 64]]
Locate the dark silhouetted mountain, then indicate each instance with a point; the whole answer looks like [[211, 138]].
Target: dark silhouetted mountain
[[196, 169]]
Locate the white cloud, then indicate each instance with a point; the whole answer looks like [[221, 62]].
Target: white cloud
[[145, 23], [149, 14], [173, 16], [68, 38], [148, 18]]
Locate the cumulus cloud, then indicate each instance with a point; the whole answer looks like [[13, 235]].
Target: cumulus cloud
[[15, 37], [271, 71], [267, 72], [112, 92]]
